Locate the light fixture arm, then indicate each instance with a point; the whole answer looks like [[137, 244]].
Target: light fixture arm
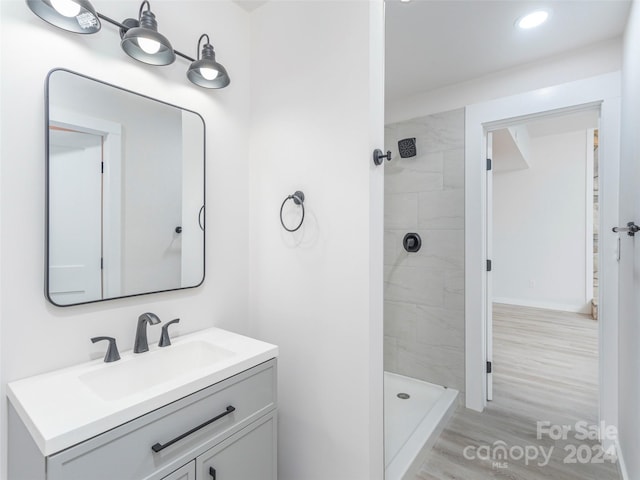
[[200, 41], [142, 6]]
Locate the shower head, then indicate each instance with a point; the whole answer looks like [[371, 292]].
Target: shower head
[[407, 147]]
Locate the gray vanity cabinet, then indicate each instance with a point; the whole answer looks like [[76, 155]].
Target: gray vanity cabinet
[[248, 455], [230, 426], [186, 472]]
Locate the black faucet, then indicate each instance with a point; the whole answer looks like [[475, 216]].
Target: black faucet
[[141, 344]]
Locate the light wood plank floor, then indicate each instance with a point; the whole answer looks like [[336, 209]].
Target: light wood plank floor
[[545, 368]]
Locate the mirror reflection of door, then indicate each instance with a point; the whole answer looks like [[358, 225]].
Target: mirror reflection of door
[[75, 213]]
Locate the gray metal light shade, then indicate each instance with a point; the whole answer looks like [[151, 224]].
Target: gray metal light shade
[[76, 16], [143, 42], [206, 72]]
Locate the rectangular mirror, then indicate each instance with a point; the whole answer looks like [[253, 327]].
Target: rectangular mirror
[[125, 192]]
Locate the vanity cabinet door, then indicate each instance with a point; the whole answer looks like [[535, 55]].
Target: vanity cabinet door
[[250, 454], [187, 472]]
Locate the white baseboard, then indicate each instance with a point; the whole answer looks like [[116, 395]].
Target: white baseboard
[[562, 307]]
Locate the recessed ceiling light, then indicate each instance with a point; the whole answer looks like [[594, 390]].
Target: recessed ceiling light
[[405, 1], [533, 19]]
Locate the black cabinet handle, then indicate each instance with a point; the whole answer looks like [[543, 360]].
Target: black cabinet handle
[[158, 446], [212, 472]]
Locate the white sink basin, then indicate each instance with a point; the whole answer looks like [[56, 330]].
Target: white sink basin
[[66, 407], [150, 369]]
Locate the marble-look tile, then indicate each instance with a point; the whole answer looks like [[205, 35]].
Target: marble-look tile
[[414, 285], [439, 327], [401, 210], [400, 320], [441, 249], [424, 291], [390, 247], [441, 210], [441, 365], [454, 290], [390, 354], [422, 173], [391, 142], [453, 169], [442, 131]]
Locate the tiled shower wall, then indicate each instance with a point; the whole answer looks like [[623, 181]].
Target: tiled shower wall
[[424, 291]]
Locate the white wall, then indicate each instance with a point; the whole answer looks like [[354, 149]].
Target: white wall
[[630, 252], [540, 226], [317, 293], [38, 337], [582, 63]]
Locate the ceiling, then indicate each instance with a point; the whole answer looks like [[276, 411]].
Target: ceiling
[[510, 145], [432, 43], [558, 124], [250, 5]]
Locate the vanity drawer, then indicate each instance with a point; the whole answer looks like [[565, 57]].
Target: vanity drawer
[[125, 452]]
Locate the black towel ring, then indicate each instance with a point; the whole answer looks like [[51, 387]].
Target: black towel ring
[[298, 199]]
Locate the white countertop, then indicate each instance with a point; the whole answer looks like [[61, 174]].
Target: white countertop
[[61, 410]]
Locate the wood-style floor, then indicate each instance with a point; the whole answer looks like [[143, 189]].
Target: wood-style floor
[[545, 369]]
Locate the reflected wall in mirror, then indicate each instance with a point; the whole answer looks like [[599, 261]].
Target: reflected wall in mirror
[[125, 192]]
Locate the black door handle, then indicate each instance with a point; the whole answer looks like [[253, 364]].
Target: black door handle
[[631, 229], [158, 446], [212, 472]]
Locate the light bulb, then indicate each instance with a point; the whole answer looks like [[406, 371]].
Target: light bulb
[[533, 19], [68, 8], [209, 73], [148, 45]]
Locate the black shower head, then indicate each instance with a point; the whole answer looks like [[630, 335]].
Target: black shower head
[[407, 147]]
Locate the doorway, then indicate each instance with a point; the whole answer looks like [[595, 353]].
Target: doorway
[[540, 242], [602, 92], [75, 247]]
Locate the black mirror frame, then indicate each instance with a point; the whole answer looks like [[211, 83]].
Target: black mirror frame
[[46, 189]]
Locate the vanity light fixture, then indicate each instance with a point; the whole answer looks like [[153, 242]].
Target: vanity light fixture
[[142, 41], [206, 72], [76, 16], [140, 38]]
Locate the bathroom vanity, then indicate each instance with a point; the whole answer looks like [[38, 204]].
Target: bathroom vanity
[[213, 416]]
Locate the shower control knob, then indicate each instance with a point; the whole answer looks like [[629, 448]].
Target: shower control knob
[[412, 242]]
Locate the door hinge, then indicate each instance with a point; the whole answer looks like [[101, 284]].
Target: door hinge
[[489, 165], [489, 265], [101, 263], [489, 367], [101, 167]]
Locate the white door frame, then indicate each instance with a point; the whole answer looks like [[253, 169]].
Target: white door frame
[[603, 90], [111, 132]]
